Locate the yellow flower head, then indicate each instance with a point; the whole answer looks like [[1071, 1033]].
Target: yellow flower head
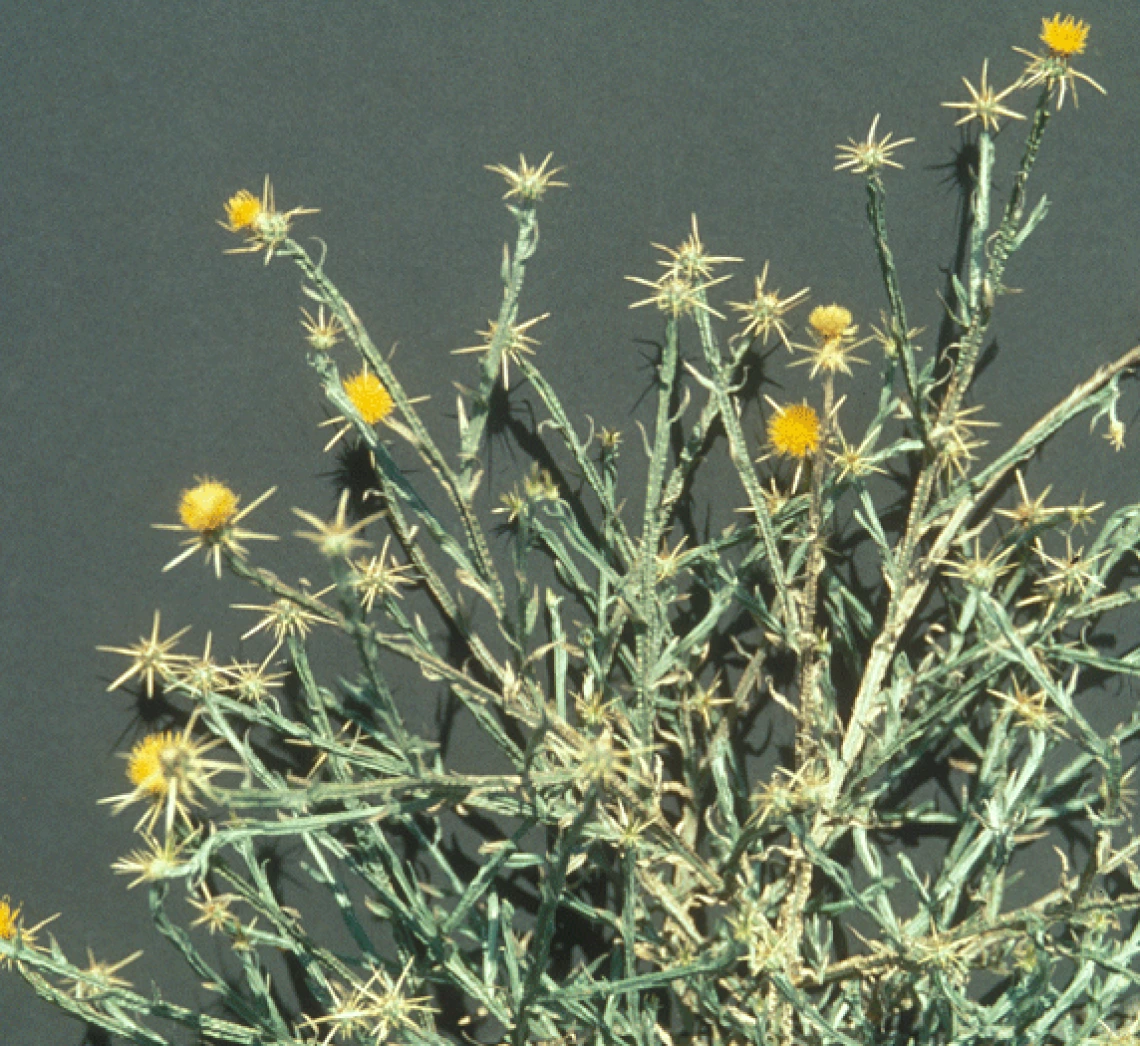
[[267, 227], [794, 430], [207, 507], [11, 926], [1064, 37], [830, 321], [242, 211], [168, 770], [210, 514], [833, 337], [151, 760], [369, 397], [9, 919]]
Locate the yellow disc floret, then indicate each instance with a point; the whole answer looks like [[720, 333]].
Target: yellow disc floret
[[1064, 36], [242, 210], [794, 430], [207, 507], [369, 397], [830, 321]]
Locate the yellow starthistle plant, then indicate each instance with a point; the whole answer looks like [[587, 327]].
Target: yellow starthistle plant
[[209, 513], [1031, 709], [1030, 513], [538, 485], [200, 677], [215, 911], [252, 682], [626, 660], [977, 568], [676, 296], [380, 577], [99, 977], [286, 618], [370, 1011], [856, 462]]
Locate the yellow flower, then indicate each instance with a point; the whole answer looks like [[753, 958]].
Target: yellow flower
[[12, 927], [794, 430], [372, 401], [9, 919], [830, 321], [209, 512], [1064, 37], [833, 335], [168, 770], [268, 228], [242, 211], [208, 506]]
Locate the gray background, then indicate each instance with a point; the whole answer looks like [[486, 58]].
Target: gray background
[[136, 355]]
